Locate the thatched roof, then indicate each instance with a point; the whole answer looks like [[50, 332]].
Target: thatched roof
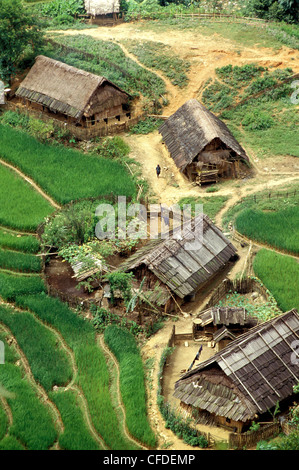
[[101, 7], [68, 90], [190, 129], [225, 316], [181, 269], [250, 375]]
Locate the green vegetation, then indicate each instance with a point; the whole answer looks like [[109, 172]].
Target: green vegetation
[[120, 281], [13, 241], [256, 105], [14, 285], [32, 423], [21, 207], [23, 262], [132, 387], [41, 130], [273, 35], [19, 35], [3, 423], [270, 218], [93, 375], [48, 363], [107, 59], [76, 436], [146, 126], [280, 274], [281, 10], [262, 310], [211, 205], [64, 173], [160, 56], [277, 229], [10, 443]]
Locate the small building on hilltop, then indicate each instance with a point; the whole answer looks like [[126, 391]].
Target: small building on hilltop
[[88, 103], [245, 380], [201, 145], [103, 12], [179, 270]]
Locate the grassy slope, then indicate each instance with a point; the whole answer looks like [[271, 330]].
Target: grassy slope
[[280, 275], [64, 173], [21, 207]]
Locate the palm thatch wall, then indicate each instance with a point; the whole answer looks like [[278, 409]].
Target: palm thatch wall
[[196, 137]]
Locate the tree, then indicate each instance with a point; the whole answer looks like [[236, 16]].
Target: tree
[[18, 32], [281, 10]]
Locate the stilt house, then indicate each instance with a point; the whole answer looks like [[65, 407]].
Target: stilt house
[[245, 380], [201, 145], [74, 96], [103, 12]]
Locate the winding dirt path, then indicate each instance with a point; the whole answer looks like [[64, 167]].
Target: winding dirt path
[[31, 182], [204, 52], [71, 386], [8, 412], [172, 89], [41, 393], [111, 356]]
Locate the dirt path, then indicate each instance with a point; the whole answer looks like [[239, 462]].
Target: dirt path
[[172, 185], [170, 87], [8, 412], [204, 52], [70, 386], [153, 350], [31, 182], [39, 389], [111, 356]]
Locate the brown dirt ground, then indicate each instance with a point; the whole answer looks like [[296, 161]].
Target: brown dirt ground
[[205, 53]]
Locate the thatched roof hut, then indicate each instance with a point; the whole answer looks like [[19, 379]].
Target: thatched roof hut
[[248, 377], [101, 7], [64, 89], [183, 270], [195, 135]]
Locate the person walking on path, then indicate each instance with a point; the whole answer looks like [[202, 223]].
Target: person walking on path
[[158, 170]]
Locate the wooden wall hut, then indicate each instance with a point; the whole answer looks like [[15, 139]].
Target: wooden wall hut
[[245, 380], [103, 12], [77, 97], [201, 145], [183, 272], [222, 324]]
